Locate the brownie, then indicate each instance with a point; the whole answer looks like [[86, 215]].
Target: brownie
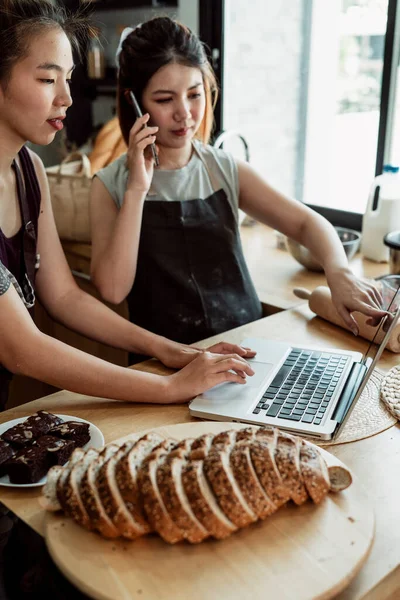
[[28, 465], [73, 430], [6, 452], [21, 435], [43, 421], [58, 450]]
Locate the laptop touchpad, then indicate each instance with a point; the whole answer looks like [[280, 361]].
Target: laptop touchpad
[[229, 391], [261, 370]]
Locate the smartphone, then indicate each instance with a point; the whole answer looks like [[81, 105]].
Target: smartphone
[[139, 114]]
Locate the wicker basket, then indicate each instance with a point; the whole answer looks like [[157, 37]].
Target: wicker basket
[[70, 189]]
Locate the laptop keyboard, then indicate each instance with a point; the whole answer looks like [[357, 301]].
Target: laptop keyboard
[[303, 387]]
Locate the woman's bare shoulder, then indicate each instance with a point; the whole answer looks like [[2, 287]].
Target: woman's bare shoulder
[[37, 161]]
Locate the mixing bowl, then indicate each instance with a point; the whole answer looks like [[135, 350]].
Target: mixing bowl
[[349, 238]]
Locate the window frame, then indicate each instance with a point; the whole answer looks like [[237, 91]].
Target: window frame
[[211, 23]]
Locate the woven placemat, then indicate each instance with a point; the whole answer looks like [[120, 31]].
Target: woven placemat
[[390, 392], [369, 416]]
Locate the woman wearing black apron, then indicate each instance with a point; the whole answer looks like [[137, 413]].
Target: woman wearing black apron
[[36, 63], [167, 237], [185, 288]]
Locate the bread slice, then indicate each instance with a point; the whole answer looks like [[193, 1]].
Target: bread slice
[[262, 453], [247, 434], [48, 500], [200, 447], [90, 496], [111, 498], [339, 478], [126, 477], [169, 481], [76, 456], [154, 507], [219, 474], [287, 458], [314, 472], [248, 482], [72, 498], [199, 493]]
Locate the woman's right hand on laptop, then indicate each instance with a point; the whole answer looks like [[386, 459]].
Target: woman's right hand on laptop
[[203, 373]]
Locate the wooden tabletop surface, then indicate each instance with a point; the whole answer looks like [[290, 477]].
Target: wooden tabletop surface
[[374, 460]]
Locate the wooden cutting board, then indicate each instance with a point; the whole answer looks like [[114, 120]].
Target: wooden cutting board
[[301, 553]]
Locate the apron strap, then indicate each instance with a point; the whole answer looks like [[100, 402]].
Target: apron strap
[[28, 240]]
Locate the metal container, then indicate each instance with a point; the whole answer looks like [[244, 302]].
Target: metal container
[[392, 240], [349, 238]]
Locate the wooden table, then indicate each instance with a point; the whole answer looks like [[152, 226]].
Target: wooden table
[[374, 460]]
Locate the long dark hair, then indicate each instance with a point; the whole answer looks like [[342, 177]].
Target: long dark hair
[[22, 20], [153, 45]]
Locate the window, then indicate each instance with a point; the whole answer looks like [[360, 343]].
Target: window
[[306, 89]]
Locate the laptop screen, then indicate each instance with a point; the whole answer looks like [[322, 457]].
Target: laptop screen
[[391, 303], [376, 347]]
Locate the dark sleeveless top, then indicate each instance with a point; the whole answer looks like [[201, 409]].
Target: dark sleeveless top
[[18, 253]]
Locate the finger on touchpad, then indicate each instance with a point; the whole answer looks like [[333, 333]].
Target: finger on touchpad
[[261, 370]]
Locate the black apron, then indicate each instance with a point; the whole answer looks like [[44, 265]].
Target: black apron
[[192, 280], [29, 204]]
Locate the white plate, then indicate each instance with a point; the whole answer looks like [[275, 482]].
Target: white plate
[[96, 441]]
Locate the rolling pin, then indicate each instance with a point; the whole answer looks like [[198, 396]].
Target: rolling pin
[[320, 302]]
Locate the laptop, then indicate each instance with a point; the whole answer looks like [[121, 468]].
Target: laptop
[[307, 391]]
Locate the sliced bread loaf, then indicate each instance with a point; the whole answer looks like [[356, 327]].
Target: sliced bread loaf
[[76, 456], [126, 471], [90, 496], [287, 458], [219, 474], [153, 504], [199, 493], [169, 481], [48, 500], [314, 472], [248, 482], [72, 497], [111, 498]]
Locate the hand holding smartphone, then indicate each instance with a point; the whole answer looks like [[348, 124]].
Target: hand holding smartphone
[[139, 114]]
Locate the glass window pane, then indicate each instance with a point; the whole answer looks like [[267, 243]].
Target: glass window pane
[[303, 87]]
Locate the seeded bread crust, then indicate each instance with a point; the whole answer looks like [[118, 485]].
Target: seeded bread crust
[[90, 496], [76, 456], [314, 472], [262, 457], [72, 497], [126, 478], [222, 481], [199, 493], [244, 472], [111, 498], [287, 458], [154, 507], [248, 482], [169, 481]]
